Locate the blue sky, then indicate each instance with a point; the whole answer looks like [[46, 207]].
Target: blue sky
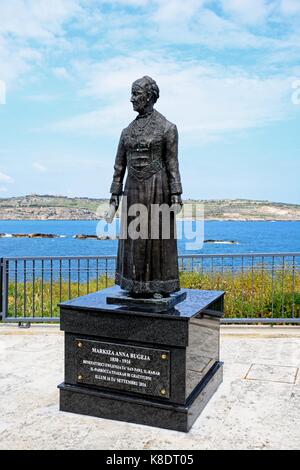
[[229, 74]]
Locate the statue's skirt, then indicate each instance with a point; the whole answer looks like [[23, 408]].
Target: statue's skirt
[[147, 251]]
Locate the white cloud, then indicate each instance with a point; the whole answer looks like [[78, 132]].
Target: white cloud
[[36, 19], [39, 167], [290, 7], [3, 189], [134, 3], [33, 32], [27, 29], [16, 60], [205, 100], [192, 22], [61, 72], [4, 178], [217, 32], [42, 98], [247, 11], [177, 10]]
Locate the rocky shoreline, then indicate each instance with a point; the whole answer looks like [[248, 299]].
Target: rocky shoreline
[[28, 235], [82, 236]]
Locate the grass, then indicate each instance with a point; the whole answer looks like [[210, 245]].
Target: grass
[[44, 299], [252, 295], [247, 294]]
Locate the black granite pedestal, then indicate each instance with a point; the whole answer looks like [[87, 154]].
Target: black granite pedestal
[[157, 369]]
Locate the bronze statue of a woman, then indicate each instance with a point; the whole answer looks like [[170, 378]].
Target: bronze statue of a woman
[[148, 149]]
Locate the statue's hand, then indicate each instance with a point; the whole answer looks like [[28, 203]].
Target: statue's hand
[[176, 203], [114, 201], [113, 207]]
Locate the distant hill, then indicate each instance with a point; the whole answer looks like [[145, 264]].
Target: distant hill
[[43, 207]]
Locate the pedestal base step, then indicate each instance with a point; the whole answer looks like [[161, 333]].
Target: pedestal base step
[[162, 304], [107, 405]]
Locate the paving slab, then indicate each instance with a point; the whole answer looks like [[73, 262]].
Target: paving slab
[[256, 407], [272, 373]]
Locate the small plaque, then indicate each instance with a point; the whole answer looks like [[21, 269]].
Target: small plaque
[[123, 367]]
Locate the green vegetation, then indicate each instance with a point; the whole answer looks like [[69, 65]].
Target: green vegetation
[[252, 295], [247, 294], [47, 296]]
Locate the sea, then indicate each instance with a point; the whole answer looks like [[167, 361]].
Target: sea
[[248, 237]]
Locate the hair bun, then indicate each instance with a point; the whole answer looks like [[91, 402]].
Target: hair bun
[[150, 85]]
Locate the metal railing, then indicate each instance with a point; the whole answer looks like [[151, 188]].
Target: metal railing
[[260, 287]]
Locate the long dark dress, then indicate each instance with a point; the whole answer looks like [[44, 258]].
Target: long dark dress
[[148, 148]]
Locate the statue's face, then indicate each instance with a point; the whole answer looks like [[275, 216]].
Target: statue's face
[[139, 98]]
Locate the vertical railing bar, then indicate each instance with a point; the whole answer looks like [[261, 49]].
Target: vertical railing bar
[[4, 287], [262, 285], [233, 278], [282, 287], [33, 287], [222, 272], [69, 278], [43, 268], [7, 287], [243, 290], [88, 276], [106, 276], [97, 273], [293, 287], [60, 280], [51, 287], [78, 277], [252, 286], [25, 282], [273, 266], [16, 288]]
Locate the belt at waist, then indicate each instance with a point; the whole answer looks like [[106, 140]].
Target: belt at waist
[[141, 174]]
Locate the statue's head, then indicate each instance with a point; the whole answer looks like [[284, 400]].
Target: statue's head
[[144, 94]]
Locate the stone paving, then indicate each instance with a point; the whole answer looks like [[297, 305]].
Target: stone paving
[[256, 407]]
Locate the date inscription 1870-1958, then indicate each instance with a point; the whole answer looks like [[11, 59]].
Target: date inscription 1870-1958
[[123, 367]]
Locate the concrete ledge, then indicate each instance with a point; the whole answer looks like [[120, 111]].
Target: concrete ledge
[[232, 330]]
